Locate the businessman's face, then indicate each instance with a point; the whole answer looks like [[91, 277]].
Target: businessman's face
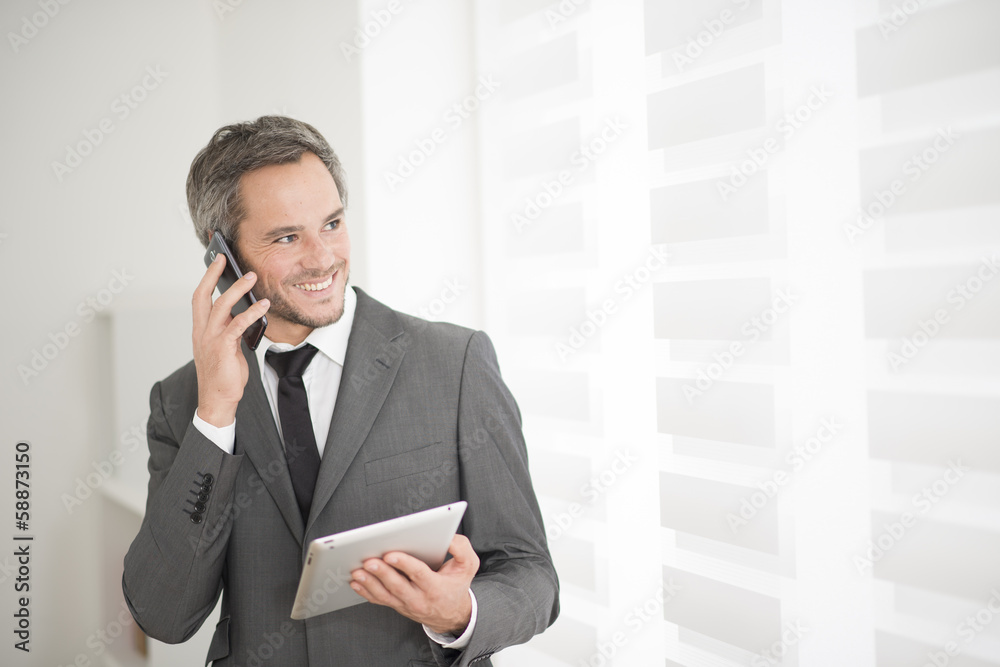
[[294, 236]]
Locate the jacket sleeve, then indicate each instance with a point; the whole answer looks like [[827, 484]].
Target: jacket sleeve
[[516, 589], [175, 566]]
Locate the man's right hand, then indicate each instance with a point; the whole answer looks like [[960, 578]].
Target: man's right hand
[[222, 370]]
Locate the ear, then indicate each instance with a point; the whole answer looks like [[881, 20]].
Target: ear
[[211, 233]]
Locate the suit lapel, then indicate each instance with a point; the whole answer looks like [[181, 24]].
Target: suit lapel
[[374, 353], [257, 436]]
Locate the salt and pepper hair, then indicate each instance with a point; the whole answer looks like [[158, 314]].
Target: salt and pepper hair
[[213, 184]]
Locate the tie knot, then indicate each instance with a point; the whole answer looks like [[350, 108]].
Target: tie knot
[[292, 363]]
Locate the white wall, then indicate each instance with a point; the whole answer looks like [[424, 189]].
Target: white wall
[[683, 533], [420, 170], [64, 239], [122, 209]]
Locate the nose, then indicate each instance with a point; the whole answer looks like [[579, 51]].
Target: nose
[[317, 255]]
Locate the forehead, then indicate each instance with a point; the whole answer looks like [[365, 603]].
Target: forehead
[[298, 193]]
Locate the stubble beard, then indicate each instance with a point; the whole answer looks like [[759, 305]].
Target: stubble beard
[[282, 308]]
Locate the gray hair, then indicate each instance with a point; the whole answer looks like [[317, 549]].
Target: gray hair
[[213, 184]]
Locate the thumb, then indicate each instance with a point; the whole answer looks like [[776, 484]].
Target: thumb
[[463, 556]]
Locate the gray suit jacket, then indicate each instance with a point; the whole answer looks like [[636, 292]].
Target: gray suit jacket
[[422, 419]]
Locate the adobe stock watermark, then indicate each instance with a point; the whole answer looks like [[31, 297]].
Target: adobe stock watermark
[[7, 569], [562, 12], [592, 490], [185, 214], [426, 485], [364, 34], [459, 112], [453, 288], [791, 635], [32, 24], [418, 494], [898, 17], [587, 153], [753, 329], [130, 441], [101, 640], [272, 641], [396, 347], [786, 127], [225, 7], [803, 453], [632, 623], [912, 171], [242, 501], [928, 329], [122, 107], [714, 28], [494, 425], [59, 340], [967, 630], [333, 581], [923, 502], [624, 289]]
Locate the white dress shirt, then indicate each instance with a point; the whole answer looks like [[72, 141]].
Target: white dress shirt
[[322, 383]]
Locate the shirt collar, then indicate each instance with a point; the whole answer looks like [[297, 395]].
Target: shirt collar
[[331, 340]]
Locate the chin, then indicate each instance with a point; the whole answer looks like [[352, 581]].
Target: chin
[[319, 319], [313, 315]]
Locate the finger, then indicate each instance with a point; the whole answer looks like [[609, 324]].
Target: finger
[[201, 302], [222, 309], [360, 589], [371, 587], [243, 321], [395, 582], [462, 553], [414, 569]]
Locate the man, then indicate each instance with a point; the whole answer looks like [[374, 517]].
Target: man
[[397, 415]]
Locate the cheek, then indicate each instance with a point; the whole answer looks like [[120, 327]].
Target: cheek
[[272, 272]]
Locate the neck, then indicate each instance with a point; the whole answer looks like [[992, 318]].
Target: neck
[[287, 332]]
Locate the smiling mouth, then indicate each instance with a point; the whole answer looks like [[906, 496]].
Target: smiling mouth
[[315, 287]]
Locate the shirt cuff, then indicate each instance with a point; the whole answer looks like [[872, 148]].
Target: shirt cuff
[[448, 640], [224, 438]]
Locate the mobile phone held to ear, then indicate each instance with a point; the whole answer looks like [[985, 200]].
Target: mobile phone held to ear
[[218, 246]]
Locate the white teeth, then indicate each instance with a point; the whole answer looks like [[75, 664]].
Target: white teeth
[[315, 287]]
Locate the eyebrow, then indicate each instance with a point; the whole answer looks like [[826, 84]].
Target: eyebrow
[[278, 232]]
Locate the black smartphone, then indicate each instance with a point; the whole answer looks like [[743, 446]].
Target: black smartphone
[[232, 273]]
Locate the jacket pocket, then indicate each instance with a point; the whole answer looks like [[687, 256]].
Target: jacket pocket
[[405, 463], [219, 648]]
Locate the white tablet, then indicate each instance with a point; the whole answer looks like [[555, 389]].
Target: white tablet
[[326, 577]]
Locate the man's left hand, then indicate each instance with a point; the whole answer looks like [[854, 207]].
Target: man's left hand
[[440, 600]]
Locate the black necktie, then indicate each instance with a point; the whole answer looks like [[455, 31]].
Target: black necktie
[[296, 425]]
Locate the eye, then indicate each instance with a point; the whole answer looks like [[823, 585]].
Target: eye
[[333, 224], [285, 239]]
